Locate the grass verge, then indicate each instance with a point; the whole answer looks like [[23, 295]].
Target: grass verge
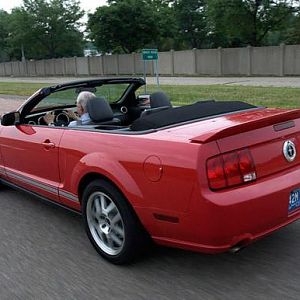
[[182, 94], [264, 96], [20, 88]]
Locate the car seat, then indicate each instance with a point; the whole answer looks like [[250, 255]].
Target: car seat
[[100, 112]]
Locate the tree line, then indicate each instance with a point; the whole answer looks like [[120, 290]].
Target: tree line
[[53, 28]]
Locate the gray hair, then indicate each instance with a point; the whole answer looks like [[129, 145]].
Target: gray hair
[[83, 98]]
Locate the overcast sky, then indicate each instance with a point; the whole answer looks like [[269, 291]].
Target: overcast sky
[[87, 5]]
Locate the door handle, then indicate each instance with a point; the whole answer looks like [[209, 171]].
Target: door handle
[[48, 144]]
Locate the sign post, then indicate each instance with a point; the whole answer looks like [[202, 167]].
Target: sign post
[[150, 54]]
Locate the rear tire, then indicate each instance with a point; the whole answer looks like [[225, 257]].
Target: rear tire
[[111, 224]]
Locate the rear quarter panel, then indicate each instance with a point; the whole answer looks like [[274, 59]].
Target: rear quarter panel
[[121, 158]]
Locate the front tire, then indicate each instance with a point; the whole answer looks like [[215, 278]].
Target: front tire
[[110, 223]]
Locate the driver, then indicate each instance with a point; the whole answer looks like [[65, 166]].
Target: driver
[[83, 117]]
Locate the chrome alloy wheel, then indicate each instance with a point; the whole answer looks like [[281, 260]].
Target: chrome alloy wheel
[[105, 223]]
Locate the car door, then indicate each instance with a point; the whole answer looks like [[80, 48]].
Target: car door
[[30, 157]]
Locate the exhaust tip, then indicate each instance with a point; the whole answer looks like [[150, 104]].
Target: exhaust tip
[[239, 246], [236, 249]]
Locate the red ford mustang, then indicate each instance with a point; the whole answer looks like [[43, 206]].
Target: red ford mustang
[[209, 177]]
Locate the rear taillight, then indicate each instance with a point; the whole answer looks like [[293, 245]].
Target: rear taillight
[[230, 169]]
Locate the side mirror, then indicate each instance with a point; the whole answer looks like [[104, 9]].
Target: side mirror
[[11, 118]]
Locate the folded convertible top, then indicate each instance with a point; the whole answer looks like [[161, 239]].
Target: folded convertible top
[[186, 113]]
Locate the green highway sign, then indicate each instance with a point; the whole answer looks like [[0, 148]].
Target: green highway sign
[[150, 54]]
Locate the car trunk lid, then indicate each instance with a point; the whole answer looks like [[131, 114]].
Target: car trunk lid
[[267, 134]]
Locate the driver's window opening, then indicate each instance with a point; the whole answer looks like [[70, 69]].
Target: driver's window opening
[[111, 92], [59, 109]]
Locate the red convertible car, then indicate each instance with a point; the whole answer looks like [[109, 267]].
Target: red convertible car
[[210, 176]]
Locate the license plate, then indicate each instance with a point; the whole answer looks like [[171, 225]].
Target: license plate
[[294, 201]]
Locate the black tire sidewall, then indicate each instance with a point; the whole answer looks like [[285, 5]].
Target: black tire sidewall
[[132, 229]]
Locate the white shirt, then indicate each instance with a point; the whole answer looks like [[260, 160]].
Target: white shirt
[[83, 120]]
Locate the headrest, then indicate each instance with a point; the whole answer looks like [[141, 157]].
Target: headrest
[[99, 109], [159, 99]]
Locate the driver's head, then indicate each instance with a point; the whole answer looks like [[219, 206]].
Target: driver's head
[[82, 100]]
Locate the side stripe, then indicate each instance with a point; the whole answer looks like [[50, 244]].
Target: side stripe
[[68, 195], [2, 171], [41, 185], [33, 182]]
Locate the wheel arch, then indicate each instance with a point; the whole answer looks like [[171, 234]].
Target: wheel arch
[[99, 165], [90, 177]]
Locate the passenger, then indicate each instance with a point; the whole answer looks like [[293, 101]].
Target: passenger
[[83, 117]]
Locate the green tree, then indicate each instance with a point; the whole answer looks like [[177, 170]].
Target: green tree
[[243, 22], [292, 35], [4, 33], [47, 29], [165, 16], [191, 21], [124, 26]]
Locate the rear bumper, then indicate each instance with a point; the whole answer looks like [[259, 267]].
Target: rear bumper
[[218, 221], [242, 240]]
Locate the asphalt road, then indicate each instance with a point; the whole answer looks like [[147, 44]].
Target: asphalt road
[[45, 254]]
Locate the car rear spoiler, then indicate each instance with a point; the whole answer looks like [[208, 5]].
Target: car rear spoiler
[[280, 120]]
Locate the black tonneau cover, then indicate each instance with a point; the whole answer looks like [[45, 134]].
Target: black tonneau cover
[[198, 110]]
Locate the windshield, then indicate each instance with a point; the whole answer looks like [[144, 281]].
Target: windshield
[[111, 92]]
